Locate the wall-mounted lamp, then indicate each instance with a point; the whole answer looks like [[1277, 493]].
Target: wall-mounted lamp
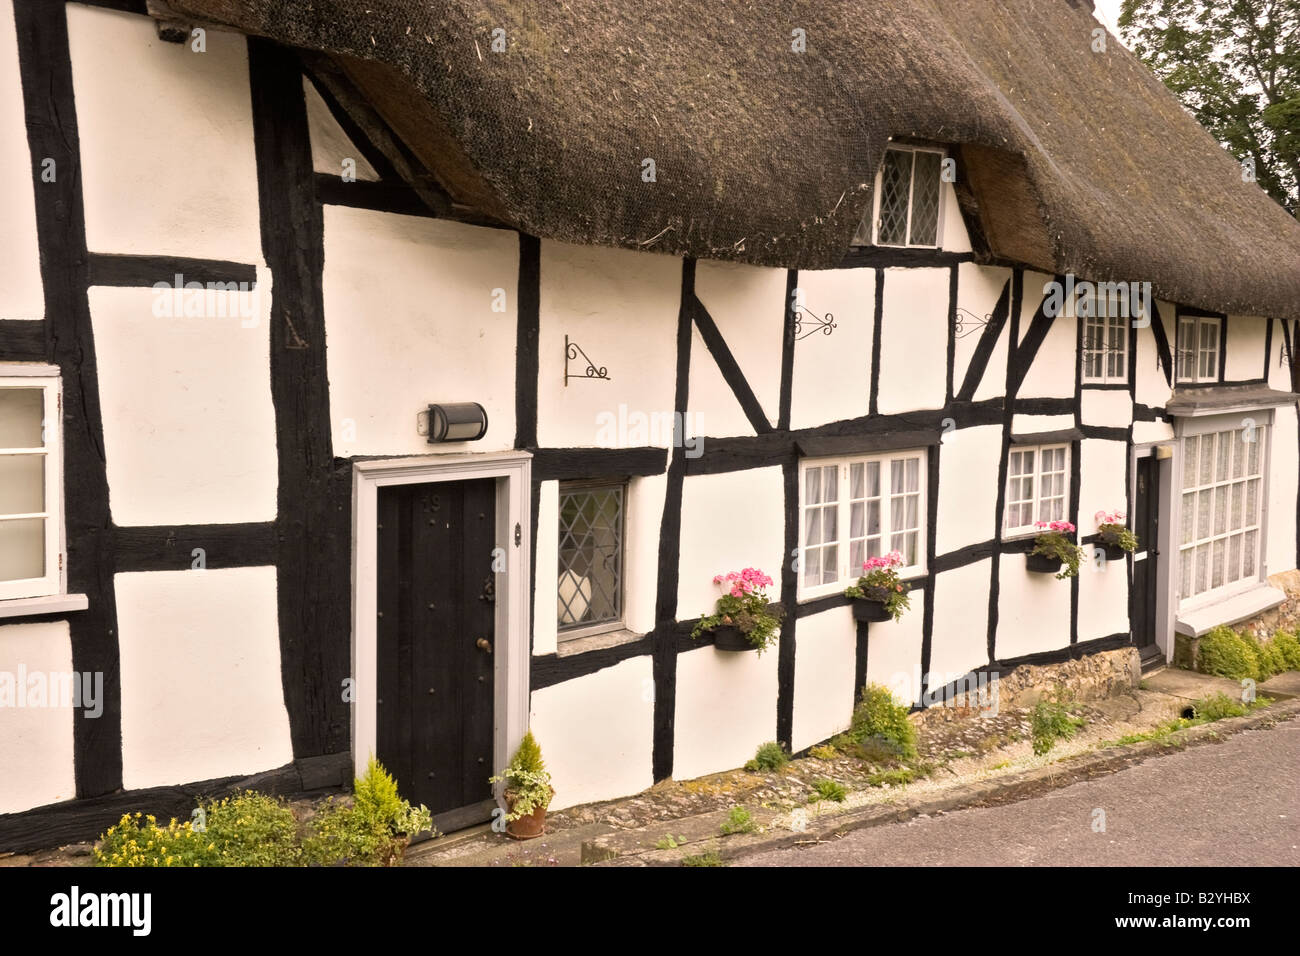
[[461, 421]]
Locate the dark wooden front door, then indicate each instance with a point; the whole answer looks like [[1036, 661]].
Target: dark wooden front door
[[436, 600], [1146, 525]]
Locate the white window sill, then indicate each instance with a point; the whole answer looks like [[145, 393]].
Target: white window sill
[[1229, 610], [595, 642], [49, 604]]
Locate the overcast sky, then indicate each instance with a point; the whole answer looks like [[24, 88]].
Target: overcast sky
[[1108, 13]]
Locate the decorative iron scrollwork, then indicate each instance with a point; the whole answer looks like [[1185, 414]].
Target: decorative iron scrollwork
[[965, 322], [823, 324], [571, 352]]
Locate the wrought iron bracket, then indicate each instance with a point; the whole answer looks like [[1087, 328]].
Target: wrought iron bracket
[[571, 352]]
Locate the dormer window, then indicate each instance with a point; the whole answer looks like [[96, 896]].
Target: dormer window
[[907, 200]]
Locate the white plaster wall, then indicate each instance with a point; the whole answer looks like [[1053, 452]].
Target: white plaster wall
[[1279, 369], [1244, 357], [1103, 593], [978, 290], [894, 652], [1284, 459], [748, 305], [644, 521], [597, 733], [968, 486], [547, 569], [726, 707], [730, 521], [36, 760], [21, 293], [825, 656], [832, 373], [1152, 432], [621, 308], [959, 641], [201, 690], [913, 340], [955, 236], [1030, 424], [1103, 470], [1052, 373], [1034, 291], [712, 406], [409, 321], [166, 140], [1033, 610], [1152, 390], [1107, 407], [189, 427], [330, 146]]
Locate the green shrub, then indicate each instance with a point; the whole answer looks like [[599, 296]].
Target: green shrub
[[1271, 658], [1217, 707], [1288, 646], [251, 829], [879, 718], [137, 840], [707, 858], [897, 777], [769, 756], [823, 752], [829, 790], [1051, 722], [373, 831], [1225, 653], [739, 820]]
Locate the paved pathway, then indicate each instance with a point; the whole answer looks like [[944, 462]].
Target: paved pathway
[[1234, 803]]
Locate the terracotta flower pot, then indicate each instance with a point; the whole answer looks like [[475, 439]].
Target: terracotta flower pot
[[1042, 563], [527, 827], [728, 637]]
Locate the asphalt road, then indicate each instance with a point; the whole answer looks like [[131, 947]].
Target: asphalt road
[[1234, 803]]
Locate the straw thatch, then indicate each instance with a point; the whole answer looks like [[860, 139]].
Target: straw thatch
[[1071, 160]]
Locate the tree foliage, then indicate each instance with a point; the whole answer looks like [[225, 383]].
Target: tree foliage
[[1235, 64]]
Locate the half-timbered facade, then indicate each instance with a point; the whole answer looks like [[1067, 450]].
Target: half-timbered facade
[[235, 283]]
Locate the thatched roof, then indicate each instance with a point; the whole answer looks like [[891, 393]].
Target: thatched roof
[[1075, 161]]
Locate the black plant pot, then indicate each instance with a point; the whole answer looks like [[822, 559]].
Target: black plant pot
[[1113, 552], [872, 608], [1042, 563], [731, 638]]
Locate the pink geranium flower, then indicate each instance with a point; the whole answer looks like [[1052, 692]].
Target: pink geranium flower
[[1054, 525]]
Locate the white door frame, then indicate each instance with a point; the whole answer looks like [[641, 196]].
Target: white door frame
[[513, 474]]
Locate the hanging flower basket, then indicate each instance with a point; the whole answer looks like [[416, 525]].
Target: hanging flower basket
[[742, 619], [1053, 548], [879, 595], [1113, 536]]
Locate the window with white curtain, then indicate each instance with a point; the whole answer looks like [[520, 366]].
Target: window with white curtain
[[31, 487], [1038, 487], [1200, 348], [856, 508], [1105, 338], [1222, 500]]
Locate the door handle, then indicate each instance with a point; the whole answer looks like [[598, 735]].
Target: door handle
[[483, 644]]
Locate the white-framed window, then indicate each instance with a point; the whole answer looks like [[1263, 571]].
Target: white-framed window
[[1038, 487], [1200, 348], [908, 200], [31, 486], [855, 508], [1220, 543], [590, 584], [1105, 339]]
